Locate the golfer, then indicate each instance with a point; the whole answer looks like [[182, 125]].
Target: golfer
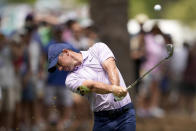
[[93, 74]]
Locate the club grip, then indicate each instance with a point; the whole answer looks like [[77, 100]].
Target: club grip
[[116, 98]]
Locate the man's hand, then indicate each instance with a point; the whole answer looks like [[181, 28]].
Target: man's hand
[[83, 90], [119, 91]]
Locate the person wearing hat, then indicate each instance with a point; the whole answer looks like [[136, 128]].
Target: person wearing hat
[[93, 74]]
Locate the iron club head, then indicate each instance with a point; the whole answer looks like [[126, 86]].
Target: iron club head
[[170, 50]]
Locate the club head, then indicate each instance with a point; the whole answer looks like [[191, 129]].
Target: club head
[[170, 50]]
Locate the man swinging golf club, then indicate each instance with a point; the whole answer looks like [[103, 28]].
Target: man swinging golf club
[[93, 73]]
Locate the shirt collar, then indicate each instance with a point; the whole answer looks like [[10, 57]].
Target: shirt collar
[[85, 55]]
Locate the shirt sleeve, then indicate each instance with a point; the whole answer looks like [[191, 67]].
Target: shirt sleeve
[[73, 81], [102, 52]]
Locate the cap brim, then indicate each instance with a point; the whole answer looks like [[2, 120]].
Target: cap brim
[[52, 65]]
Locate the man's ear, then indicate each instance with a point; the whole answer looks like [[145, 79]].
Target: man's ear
[[66, 51]]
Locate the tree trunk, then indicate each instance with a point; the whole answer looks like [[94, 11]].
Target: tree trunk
[[111, 17]]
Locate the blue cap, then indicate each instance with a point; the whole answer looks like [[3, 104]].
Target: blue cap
[[53, 53]]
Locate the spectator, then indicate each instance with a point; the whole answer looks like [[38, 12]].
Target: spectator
[[188, 86], [30, 63], [17, 49], [155, 51], [7, 84], [178, 65], [91, 34], [56, 94], [137, 47], [77, 37]]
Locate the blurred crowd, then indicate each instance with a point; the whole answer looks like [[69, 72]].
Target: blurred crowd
[[33, 99], [171, 87], [30, 97]]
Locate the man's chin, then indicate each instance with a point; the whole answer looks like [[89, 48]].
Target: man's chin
[[71, 69]]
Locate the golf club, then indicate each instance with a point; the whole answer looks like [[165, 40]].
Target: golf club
[[170, 50]]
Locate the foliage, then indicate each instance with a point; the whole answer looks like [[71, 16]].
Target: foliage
[[82, 1], [142, 6], [183, 10], [173, 9], [21, 1]]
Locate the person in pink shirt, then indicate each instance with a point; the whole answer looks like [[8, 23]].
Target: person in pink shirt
[[154, 52]]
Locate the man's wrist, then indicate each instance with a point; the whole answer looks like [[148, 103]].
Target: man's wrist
[[113, 88]]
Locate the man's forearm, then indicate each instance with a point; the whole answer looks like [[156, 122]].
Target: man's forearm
[[101, 88], [98, 87]]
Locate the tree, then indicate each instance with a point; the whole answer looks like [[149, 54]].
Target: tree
[[111, 17]]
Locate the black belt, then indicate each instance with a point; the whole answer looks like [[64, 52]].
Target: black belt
[[114, 112]]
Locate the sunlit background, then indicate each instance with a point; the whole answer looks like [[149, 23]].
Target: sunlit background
[[136, 31]]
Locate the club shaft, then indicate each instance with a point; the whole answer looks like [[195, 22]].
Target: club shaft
[[140, 78]]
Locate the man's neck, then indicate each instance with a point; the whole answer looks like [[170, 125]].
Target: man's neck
[[78, 58]]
